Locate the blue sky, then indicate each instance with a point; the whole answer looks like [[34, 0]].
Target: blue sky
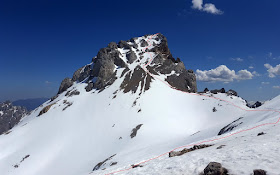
[[42, 42]]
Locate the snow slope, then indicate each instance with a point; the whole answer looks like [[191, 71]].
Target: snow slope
[[79, 131]]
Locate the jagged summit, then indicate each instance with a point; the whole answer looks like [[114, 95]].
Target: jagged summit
[[136, 61]]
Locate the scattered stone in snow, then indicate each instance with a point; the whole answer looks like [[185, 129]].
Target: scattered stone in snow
[[68, 104], [221, 146], [113, 163], [103, 162], [17, 165], [215, 168], [120, 138], [214, 109], [134, 103], [261, 133], [114, 96], [24, 158], [139, 110], [186, 150], [135, 166], [134, 130], [113, 125], [72, 93], [259, 172]]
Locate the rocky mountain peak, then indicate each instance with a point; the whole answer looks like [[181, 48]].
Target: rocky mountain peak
[[137, 61]]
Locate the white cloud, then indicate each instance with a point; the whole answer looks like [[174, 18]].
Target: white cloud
[[265, 83], [276, 87], [251, 67], [237, 59], [222, 73], [272, 71], [208, 7]]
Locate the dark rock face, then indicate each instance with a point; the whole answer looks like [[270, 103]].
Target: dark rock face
[[132, 80], [230, 126], [65, 84], [259, 172], [10, 116], [134, 130], [81, 74], [101, 72], [215, 168]]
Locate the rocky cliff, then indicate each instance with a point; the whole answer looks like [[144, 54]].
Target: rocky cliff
[[10, 115]]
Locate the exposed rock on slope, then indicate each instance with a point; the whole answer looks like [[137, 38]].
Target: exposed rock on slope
[[10, 115], [131, 55]]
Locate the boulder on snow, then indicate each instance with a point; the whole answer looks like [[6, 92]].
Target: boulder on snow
[[215, 168], [259, 172]]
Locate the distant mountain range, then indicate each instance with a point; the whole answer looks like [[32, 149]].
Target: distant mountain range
[[30, 104]]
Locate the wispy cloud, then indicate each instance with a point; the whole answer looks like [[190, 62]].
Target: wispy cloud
[[222, 74], [276, 87], [255, 73], [265, 83], [237, 59], [272, 71], [251, 67], [208, 7], [48, 82]]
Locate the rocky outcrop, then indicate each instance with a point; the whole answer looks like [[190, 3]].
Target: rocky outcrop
[[230, 126], [65, 84], [135, 130], [100, 164], [186, 150], [101, 72], [255, 105], [231, 92], [45, 109], [10, 115], [215, 91]]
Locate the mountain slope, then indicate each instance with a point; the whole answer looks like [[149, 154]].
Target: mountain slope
[[120, 110]]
